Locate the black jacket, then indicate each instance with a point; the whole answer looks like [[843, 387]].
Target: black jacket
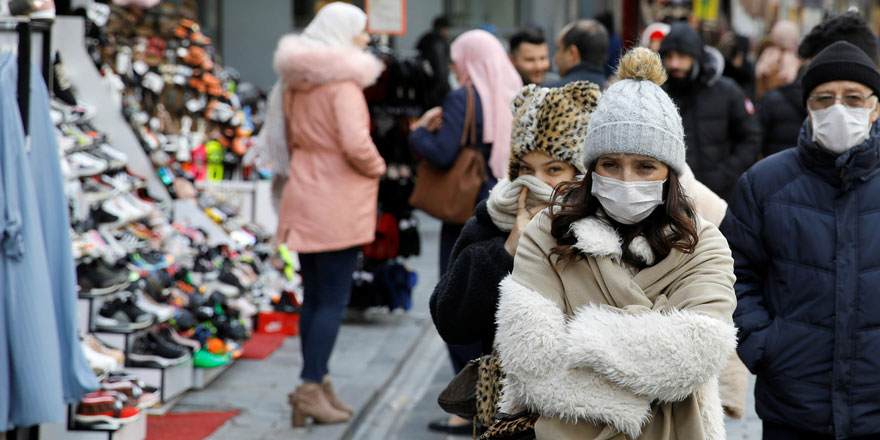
[[781, 113], [802, 226], [464, 302], [722, 134], [434, 48], [581, 72]]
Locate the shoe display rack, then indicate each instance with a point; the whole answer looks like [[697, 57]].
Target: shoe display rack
[[134, 430]]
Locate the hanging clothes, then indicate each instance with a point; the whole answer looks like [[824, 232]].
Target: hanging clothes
[[33, 269], [77, 376]]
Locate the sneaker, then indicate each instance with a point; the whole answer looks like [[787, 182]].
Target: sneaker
[[153, 352], [163, 312], [98, 279], [172, 335], [34, 9], [103, 407], [61, 86], [96, 345], [83, 164], [135, 396], [205, 359], [124, 315], [99, 362]]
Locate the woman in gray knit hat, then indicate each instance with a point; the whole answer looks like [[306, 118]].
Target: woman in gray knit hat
[[617, 318]]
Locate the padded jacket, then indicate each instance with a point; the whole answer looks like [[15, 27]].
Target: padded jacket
[[722, 134], [802, 225], [781, 113]]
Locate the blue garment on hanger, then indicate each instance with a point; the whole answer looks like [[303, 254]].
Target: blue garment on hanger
[[30, 375], [54, 216]]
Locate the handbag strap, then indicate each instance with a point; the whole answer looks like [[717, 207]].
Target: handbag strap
[[469, 131]]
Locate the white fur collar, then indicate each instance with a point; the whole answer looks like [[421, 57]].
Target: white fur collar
[[296, 61], [596, 237]]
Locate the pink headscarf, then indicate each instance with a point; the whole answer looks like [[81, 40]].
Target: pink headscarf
[[481, 61]]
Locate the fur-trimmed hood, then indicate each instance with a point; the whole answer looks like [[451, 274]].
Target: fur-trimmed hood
[[300, 63]]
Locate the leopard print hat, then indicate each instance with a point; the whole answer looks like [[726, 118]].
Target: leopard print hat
[[552, 121]]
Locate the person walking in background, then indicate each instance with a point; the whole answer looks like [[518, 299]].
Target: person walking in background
[[722, 134], [581, 53], [617, 318], [615, 42], [328, 206], [481, 63], [737, 66], [781, 110], [529, 54], [434, 47], [778, 63], [653, 35], [802, 227]]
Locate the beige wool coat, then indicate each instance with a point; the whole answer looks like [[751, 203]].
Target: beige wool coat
[[603, 355], [734, 380]]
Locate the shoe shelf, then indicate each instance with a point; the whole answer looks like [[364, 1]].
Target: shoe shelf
[[134, 430], [171, 381], [202, 377]]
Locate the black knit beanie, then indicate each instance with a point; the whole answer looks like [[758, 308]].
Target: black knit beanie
[[682, 38], [840, 61]]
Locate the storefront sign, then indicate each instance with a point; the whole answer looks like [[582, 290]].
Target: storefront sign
[[386, 16]]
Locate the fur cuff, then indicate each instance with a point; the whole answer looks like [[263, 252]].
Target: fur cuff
[[665, 356], [530, 343]]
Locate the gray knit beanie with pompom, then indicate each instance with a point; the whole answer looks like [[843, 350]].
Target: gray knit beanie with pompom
[[636, 116]]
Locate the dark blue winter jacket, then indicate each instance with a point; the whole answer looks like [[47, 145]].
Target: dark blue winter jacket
[[441, 148], [804, 228]]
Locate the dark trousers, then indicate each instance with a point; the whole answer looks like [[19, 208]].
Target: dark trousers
[[327, 287], [458, 354], [773, 431]]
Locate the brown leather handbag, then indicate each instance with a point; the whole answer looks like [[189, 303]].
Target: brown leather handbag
[[450, 195]]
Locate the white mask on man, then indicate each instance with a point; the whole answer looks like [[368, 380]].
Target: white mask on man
[[839, 128], [627, 202]]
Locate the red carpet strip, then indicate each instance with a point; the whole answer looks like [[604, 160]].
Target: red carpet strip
[[187, 426], [261, 345]]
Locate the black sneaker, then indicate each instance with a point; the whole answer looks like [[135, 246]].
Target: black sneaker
[[123, 315], [148, 351], [98, 279], [61, 85]]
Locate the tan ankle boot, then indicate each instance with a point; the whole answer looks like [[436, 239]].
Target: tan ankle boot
[[309, 401], [332, 398]]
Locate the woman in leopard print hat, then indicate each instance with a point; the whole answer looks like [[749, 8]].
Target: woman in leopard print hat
[[549, 128]]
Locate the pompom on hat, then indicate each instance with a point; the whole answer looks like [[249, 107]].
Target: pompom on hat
[[635, 115], [552, 121]]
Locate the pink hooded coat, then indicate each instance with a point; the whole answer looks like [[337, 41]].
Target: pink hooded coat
[[329, 201]]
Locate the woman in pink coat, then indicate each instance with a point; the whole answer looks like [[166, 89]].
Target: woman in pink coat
[[328, 207]]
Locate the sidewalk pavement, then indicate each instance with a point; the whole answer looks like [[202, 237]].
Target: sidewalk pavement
[[389, 366]]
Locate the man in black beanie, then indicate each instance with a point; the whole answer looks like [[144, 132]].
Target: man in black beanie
[[722, 134], [802, 226], [781, 111]]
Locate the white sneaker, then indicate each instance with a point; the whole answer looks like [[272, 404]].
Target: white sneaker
[[99, 362], [163, 312], [84, 164]]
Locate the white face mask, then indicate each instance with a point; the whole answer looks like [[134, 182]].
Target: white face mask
[[839, 128], [627, 202]]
